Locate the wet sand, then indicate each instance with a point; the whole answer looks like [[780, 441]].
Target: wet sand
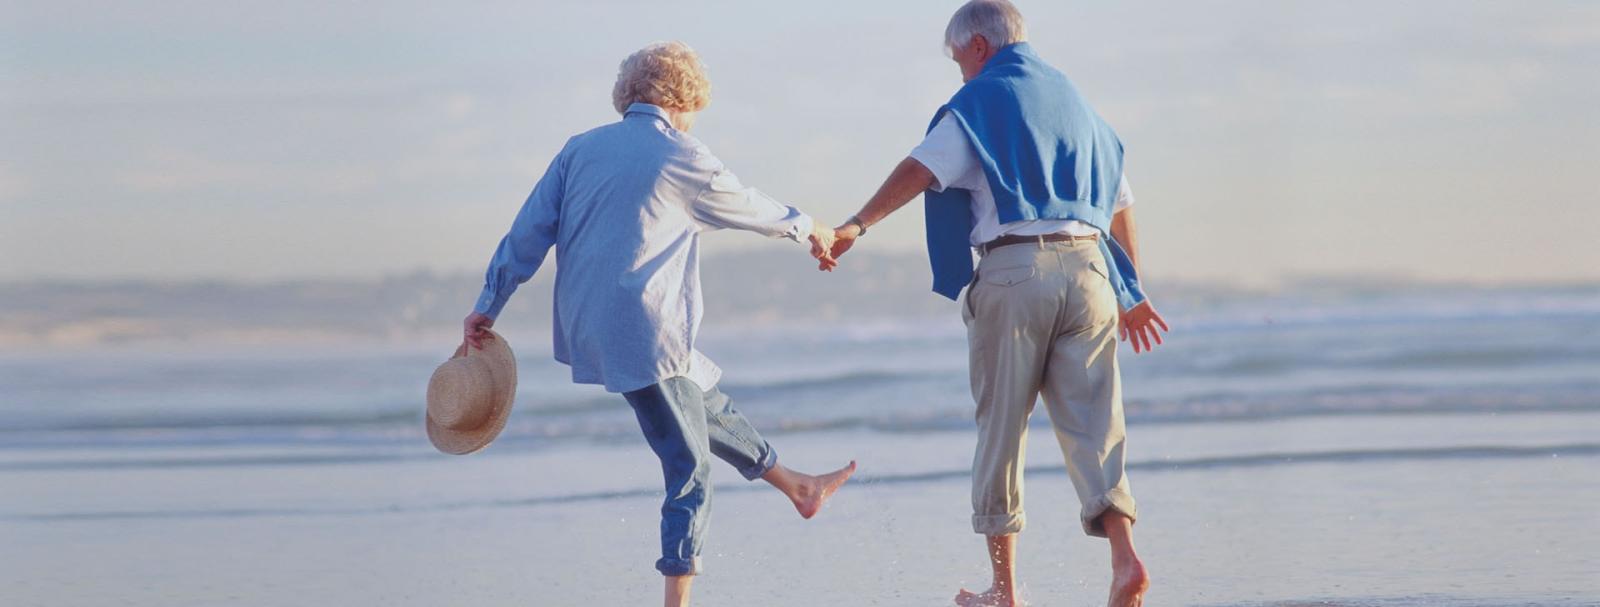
[[1382, 510]]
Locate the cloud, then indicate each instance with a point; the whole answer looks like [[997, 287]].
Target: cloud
[[13, 185], [168, 171], [458, 106], [1578, 33]]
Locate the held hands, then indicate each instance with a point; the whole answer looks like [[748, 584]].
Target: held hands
[[822, 248], [829, 245], [1139, 327]]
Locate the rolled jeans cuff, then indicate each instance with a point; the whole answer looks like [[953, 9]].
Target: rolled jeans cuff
[[769, 459], [679, 567], [998, 524], [1115, 499]]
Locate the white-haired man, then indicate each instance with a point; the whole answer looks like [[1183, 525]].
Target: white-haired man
[[625, 205], [1020, 167]]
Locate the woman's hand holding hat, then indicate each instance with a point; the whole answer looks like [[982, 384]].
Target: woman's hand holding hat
[[475, 328]]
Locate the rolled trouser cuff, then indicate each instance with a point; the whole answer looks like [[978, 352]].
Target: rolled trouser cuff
[[679, 567], [769, 459], [1115, 499], [998, 524]]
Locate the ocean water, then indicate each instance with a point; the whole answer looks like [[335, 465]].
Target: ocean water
[[1456, 430], [1352, 353]]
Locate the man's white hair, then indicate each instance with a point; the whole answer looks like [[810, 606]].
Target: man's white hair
[[998, 21]]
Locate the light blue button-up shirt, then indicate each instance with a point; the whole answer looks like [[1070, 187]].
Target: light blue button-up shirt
[[624, 206]]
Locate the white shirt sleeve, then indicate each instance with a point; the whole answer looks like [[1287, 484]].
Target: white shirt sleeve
[[1124, 195], [947, 153]]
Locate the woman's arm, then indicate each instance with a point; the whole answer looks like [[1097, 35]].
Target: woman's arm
[[521, 252], [728, 203]]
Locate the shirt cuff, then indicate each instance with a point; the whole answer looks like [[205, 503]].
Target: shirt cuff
[[801, 232], [490, 303]]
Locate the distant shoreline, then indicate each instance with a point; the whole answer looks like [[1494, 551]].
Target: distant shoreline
[[763, 290]]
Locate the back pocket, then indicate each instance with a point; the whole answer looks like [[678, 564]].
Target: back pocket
[[1005, 277]]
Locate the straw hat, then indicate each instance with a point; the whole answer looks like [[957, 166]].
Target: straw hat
[[469, 396]]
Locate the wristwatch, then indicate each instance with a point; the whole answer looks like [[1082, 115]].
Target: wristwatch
[[860, 225]]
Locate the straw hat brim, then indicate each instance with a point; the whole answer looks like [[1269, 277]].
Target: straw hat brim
[[503, 366]]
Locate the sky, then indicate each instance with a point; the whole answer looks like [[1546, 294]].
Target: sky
[[1431, 140]]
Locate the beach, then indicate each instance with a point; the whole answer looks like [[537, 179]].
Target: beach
[[1394, 511], [237, 240], [1366, 452]]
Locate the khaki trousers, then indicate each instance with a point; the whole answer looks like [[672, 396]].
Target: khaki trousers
[[1042, 319]]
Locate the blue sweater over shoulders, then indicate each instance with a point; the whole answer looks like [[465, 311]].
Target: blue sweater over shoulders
[[1046, 155]]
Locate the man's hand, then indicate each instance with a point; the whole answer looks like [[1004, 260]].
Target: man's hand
[[476, 329], [1139, 327], [822, 246], [844, 237]]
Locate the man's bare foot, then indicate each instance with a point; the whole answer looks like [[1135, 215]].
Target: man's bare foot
[[812, 492], [1129, 581], [990, 598]]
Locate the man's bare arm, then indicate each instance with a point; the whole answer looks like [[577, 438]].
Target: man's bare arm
[[1141, 325], [1126, 233], [908, 179]]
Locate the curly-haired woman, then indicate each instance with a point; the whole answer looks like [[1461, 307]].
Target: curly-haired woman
[[625, 205]]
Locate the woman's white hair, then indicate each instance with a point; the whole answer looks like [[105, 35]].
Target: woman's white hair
[[665, 74], [998, 21]]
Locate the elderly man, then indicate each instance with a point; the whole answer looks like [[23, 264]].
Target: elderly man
[[625, 205], [1018, 166]]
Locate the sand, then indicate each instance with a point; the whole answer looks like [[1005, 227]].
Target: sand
[[1399, 510]]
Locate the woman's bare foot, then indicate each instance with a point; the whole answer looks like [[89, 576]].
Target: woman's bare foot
[[989, 598], [1129, 581], [809, 493], [812, 495]]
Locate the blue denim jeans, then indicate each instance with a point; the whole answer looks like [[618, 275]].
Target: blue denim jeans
[[685, 426]]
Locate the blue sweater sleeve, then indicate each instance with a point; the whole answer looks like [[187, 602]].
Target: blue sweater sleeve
[[1124, 278]]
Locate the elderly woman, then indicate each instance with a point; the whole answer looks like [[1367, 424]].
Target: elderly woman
[[625, 205]]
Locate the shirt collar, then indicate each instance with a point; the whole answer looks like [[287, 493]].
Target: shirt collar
[[646, 109]]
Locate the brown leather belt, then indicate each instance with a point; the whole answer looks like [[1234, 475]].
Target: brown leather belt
[[1012, 239]]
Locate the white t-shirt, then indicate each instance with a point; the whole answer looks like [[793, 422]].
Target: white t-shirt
[[954, 163]]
